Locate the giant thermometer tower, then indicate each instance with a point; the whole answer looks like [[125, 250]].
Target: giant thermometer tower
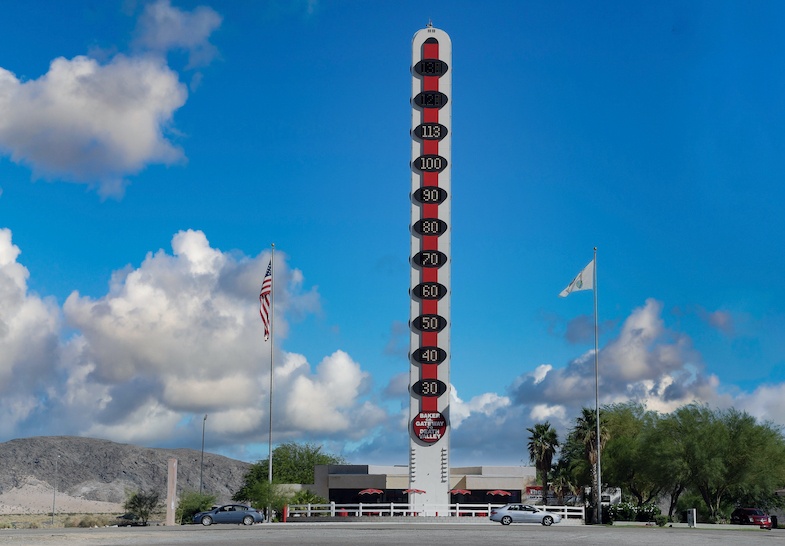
[[429, 315]]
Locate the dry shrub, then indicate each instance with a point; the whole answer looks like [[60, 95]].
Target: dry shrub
[[89, 520]]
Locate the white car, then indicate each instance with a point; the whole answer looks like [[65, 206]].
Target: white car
[[523, 513]]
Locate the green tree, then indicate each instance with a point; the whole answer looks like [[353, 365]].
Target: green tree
[[262, 494], [192, 502], [761, 470], [667, 440], [729, 456], [292, 463], [563, 480], [630, 457], [543, 443], [306, 497], [584, 434], [142, 505], [572, 457]]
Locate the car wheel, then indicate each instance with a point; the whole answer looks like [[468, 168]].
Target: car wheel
[[207, 520], [506, 520], [248, 520], [547, 521]]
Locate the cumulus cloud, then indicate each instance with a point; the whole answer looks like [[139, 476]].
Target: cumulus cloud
[[29, 329], [645, 361], [163, 27], [87, 122], [179, 335], [96, 123], [580, 329], [326, 401], [766, 402], [184, 329], [485, 404]]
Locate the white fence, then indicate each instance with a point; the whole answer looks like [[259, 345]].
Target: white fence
[[479, 510]]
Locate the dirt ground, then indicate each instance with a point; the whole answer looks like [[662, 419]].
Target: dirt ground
[[31, 505]]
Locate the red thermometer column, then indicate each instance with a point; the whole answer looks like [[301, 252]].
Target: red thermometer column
[[429, 316]]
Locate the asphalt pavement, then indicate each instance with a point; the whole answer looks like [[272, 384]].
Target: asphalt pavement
[[392, 534]]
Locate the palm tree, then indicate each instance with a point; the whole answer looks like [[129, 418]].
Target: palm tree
[[585, 432], [563, 482], [542, 447]]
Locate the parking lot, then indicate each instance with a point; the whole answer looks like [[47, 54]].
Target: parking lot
[[341, 534]]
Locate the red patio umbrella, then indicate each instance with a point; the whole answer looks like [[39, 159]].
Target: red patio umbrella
[[413, 491], [460, 492], [371, 492], [501, 492]]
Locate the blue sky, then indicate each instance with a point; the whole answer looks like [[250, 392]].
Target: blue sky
[[151, 152]]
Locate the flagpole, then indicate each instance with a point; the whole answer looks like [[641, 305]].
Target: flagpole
[[578, 284], [270, 434], [597, 393]]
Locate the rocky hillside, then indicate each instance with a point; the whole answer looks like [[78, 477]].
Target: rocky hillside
[[104, 471]]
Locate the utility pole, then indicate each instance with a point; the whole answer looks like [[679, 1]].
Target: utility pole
[[201, 464]]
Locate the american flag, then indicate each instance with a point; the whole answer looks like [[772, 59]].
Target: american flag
[[264, 299]]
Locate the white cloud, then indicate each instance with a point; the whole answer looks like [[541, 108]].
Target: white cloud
[[766, 402], [29, 329], [163, 27], [92, 123], [544, 412], [188, 317], [145, 424], [541, 372], [485, 404], [630, 357], [645, 361], [327, 401], [179, 335], [95, 122], [221, 391]]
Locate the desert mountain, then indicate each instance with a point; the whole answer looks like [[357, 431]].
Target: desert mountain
[[101, 470]]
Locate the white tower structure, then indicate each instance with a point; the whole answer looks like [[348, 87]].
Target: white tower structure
[[429, 316]]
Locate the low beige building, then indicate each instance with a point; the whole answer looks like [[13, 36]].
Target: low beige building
[[343, 483]]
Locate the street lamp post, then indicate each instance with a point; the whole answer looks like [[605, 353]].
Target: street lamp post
[[54, 494], [201, 464]]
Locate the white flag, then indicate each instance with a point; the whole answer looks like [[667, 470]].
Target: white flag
[[584, 281]]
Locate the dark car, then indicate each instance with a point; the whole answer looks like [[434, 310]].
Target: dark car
[[751, 516], [129, 520], [229, 513]]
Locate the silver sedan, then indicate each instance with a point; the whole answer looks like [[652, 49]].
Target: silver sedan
[[523, 513]]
